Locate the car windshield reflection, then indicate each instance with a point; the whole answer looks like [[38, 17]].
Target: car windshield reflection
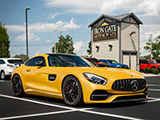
[[68, 61]]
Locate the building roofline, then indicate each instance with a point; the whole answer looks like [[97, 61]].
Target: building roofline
[[116, 18]]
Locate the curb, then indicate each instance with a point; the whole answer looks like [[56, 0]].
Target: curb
[[150, 75]]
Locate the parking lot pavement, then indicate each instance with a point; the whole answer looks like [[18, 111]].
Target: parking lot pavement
[[34, 107]]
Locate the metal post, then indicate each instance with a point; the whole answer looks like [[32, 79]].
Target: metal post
[[60, 40], [27, 33], [55, 41], [151, 44]]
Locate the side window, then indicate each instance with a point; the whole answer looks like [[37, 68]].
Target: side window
[[2, 62], [105, 61], [144, 61], [33, 61]]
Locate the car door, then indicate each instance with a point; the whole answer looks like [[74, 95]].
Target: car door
[[144, 64], [39, 78]]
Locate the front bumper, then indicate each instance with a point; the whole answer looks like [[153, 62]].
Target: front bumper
[[119, 98], [94, 93]]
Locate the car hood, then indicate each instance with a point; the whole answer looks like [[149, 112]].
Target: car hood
[[121, 64], [112, 73]]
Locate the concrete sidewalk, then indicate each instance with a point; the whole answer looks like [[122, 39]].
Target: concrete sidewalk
[[149, 74]]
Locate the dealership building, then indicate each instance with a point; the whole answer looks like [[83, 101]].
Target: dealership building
[[118, 38]]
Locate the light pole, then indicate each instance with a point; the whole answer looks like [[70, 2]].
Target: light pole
[[151, 45], [27, 32]]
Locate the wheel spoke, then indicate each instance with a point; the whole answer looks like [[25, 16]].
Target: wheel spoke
[[16, 84], [71, 90]]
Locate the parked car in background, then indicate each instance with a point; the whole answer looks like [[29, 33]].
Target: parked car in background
[[114, 63], [150, 63], [97, 63], [7, 65]]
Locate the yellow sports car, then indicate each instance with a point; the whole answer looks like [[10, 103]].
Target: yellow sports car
[[77, 81]]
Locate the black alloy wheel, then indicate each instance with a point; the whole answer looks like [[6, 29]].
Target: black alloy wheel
[[17, 86], [72, 91]]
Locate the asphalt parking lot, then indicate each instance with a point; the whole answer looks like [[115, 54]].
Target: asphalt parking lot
[[35, 107]]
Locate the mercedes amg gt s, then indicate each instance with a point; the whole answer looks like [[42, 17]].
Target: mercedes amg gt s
[[77, 81]]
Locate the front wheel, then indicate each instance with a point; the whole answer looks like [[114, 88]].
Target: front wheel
[[72, 91], [17, 86]]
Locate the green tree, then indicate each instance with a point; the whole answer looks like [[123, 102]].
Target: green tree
[[155, 48], [22, 56], [89, 51], [64, 45], [4, 42], [146, 57]]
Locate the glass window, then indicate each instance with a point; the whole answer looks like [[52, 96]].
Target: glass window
[[93, 60], [144, 61], [15, 61], [113, 62], [153, 62], [68, 61], [158, 61], [34, 61], [104, 61], [2, 62]]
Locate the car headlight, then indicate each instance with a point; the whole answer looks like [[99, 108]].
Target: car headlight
[[95, 78], [118, 66]]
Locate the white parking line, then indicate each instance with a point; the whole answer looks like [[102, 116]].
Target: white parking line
[[71, 109], [35, 115], [1, 80], [154, 90], [37, 102], [153, 99], [111, 115], [155, 85]]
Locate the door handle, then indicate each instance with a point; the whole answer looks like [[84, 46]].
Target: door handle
[[28, 70]]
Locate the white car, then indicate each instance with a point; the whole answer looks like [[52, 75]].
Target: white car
[[7, 65]]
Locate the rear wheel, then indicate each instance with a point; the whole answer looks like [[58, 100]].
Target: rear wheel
[[2, 75], [72, 91], [17, 86]]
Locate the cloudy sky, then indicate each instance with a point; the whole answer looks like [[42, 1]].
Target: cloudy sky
[[70, 17]]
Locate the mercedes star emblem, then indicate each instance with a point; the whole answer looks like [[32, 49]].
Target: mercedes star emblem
[[134, 85]]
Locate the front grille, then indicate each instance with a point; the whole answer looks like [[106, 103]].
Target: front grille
[[129, 84]]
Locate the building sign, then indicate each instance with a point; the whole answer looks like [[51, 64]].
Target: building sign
[[105, 31]]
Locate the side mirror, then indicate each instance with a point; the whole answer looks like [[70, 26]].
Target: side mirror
[[39, 63]]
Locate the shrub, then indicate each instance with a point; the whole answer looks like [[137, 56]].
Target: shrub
[[155, 71], [147, 70]]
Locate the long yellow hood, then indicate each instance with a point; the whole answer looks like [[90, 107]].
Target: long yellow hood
[[112, 73]]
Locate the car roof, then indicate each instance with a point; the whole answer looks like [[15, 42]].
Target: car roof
[[60, 54], [50, 54]]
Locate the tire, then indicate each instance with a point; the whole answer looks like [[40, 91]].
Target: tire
[[2, 75], [17, 86], [72, 91]]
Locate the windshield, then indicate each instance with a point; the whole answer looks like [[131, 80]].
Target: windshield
[[15, 61], [153, 62], [113, 62], [93, 60], [68, 61]]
